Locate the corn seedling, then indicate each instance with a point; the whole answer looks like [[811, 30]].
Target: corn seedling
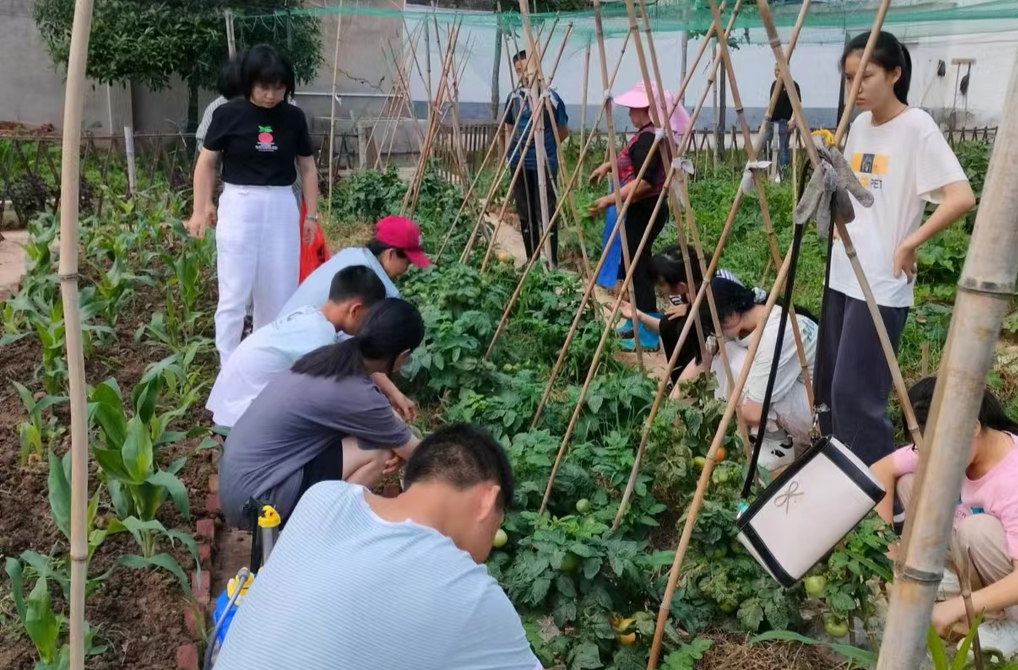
[[37, 434], [44, 626], [127, 448]]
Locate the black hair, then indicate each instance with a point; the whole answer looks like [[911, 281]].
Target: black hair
[[229, 83], [376, 248], [991, 412], [521, 55], [391, 327], [668, 266], [357, 281], [463, 455], [889, 54], [263, 64], [731, 297]]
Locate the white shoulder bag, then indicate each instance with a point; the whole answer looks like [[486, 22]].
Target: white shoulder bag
[[817, 501]]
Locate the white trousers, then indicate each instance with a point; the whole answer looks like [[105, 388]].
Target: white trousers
[[790, 412], [257, 258]]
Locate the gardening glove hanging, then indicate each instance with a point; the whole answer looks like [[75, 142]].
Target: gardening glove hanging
[[830, 185], [747, 185]]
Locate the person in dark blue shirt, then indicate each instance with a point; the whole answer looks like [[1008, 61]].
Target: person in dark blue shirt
[[526, 191]]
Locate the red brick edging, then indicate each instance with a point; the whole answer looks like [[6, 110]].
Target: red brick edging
[[205, 534]]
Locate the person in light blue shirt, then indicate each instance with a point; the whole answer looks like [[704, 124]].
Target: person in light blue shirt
[[390, 253], [270, 351], [361, 581]]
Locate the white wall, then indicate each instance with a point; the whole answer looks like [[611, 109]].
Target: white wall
[[814, 67]]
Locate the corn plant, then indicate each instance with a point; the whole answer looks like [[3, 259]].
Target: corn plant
[[126, 453], [115, 286], [44, 626], [46, 319], [37, 434]]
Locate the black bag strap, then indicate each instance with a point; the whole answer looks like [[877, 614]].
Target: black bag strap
[[822, 331], [772, 377]]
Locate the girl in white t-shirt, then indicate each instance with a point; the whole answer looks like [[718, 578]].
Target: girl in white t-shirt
[[790, 416], [899, 154]]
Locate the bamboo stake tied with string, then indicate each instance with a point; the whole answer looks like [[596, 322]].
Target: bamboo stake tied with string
[[69, 185], [984, 295]]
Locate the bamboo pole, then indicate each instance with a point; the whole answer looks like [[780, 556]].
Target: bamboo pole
[[679, 194], [549, 385], [591, 282], [69, 186], [811, 152], [332, 107], [984, 293], [498, 174], [434, 117], [592, 370], [760, 185], [701, 486], [764, 10], [438, 117], [586, 83], [402, 79], [627, 283], [616, 185], [567, 193], [231, 39], [706, 273], [453, 88], [709, 272], [541, 149], [532, 134]]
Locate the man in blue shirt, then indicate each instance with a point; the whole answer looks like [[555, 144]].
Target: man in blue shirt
[[526, 191]]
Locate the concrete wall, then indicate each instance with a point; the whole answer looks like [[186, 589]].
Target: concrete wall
[[33, 88], [814, 67]]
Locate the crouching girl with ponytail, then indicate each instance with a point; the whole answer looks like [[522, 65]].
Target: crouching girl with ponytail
[[900, 155], [324, 419]]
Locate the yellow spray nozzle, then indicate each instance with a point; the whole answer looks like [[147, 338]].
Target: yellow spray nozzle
[[269, 518], [231, 586]]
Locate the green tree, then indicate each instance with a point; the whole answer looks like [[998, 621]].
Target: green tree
[[148, 41]]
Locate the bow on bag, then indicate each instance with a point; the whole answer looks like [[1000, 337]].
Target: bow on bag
[[828, 190]]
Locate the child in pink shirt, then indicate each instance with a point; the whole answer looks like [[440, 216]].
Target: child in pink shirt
[[986, 519]]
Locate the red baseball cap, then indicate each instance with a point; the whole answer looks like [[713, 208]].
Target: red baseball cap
[[403, 234]]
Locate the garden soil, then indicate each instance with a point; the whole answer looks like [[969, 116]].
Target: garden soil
[[138, 614]]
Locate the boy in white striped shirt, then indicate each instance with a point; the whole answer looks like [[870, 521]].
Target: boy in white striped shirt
[[360, 581]]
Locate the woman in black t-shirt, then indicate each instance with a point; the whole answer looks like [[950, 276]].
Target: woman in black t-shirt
[[645, 196], [262, 141]]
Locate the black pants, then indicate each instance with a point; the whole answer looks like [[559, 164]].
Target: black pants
[[637, 220], [526, 193], [325, 467], [670, 331], [853, 378]]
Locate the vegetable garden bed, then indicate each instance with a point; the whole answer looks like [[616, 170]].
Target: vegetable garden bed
[[587, 596]]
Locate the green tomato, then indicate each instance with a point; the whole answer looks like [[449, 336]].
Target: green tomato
[[815, 586], [722, 476], [500, 539], [570, 563], [583, 506], [700, 462], [835, 628], [728, 606]]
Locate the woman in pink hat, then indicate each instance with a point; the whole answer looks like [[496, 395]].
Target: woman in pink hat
[[645, 192]]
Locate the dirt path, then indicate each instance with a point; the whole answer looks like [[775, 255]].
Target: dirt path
[[12, 260]]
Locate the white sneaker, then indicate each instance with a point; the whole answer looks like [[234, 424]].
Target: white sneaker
[[776, 451], [1000, 636]]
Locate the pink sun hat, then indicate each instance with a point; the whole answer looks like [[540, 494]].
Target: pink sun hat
[[636, 97]]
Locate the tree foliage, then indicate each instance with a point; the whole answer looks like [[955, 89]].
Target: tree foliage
[[148, 41]]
